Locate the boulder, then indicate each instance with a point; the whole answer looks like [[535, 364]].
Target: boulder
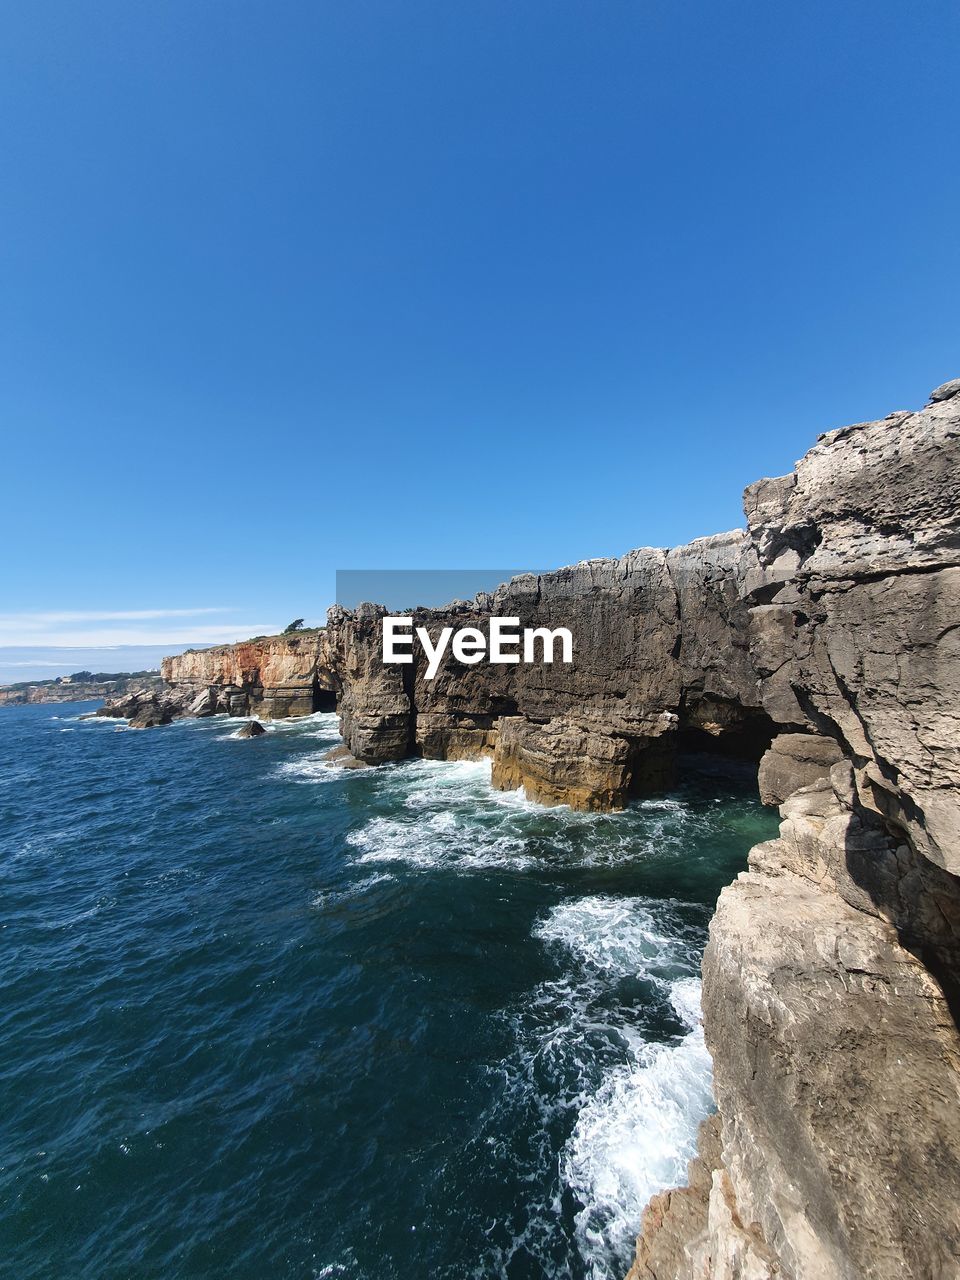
[[562, 763], [343, 757], [126, 706], [795, 760], [204, 704], [149, 715], [252, 730]]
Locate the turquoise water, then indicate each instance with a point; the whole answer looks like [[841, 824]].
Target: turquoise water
[[265, 1018]]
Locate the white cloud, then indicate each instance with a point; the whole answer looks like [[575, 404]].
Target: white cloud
[[9, 621], [86, 629], [33, 663]]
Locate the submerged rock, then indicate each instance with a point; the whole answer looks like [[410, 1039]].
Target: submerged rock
[[252, 730], [342, 756]]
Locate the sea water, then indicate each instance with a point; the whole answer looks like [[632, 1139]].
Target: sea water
[[263, 1017]]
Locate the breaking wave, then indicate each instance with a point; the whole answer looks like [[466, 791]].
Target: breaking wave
[[609, 1067]]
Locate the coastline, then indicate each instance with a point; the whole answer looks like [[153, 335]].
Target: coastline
[[831, 962], [52, 692]]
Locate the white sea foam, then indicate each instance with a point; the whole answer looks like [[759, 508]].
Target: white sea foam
[[330, 897], [581, 1053], [628, 1100], [321, 727], [320, 724], [434, 841], [311, 768], [622, 936], [636, 1134], [456, 819]]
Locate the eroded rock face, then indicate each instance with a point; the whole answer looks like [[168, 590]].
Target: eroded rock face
[[795, 760], [854, 624], [661, 642], [837, 1072], [832, 964], [696, 1231], [276, 677], [376, 712], [142, 708]]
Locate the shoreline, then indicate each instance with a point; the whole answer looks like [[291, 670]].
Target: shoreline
[[824, 628]]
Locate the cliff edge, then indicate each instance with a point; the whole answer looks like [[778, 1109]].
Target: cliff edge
[[830, 977], [823, 641]]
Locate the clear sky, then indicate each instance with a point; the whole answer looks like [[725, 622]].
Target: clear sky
[[287, 288]]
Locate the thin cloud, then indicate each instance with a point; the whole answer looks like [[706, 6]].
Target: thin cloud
[[105, 638], [35, 662], [10, 620], [110, 628]]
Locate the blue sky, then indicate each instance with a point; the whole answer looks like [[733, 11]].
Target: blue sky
[[287, 288]]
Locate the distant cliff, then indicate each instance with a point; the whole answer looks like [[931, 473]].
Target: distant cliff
[[272, 676], [82, 687], [824, 642]]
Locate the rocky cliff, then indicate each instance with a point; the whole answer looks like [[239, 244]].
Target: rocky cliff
[[274, 676], [78, 688], [823, 641], [830, 978], [661, 642]]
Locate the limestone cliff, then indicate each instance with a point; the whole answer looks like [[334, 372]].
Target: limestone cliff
[[661, 648], [834, 613], [825, 638], [832, 964], [829, 632], [274, 676], [78, 688]]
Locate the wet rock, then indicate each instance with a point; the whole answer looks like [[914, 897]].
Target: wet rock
[[342, 756], [149, 715], [252, 730]]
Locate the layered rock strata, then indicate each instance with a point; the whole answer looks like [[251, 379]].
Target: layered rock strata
[[661, 645], [830, 978], [274, 677]]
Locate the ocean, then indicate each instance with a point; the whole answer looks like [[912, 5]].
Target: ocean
[[267, 1018]]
